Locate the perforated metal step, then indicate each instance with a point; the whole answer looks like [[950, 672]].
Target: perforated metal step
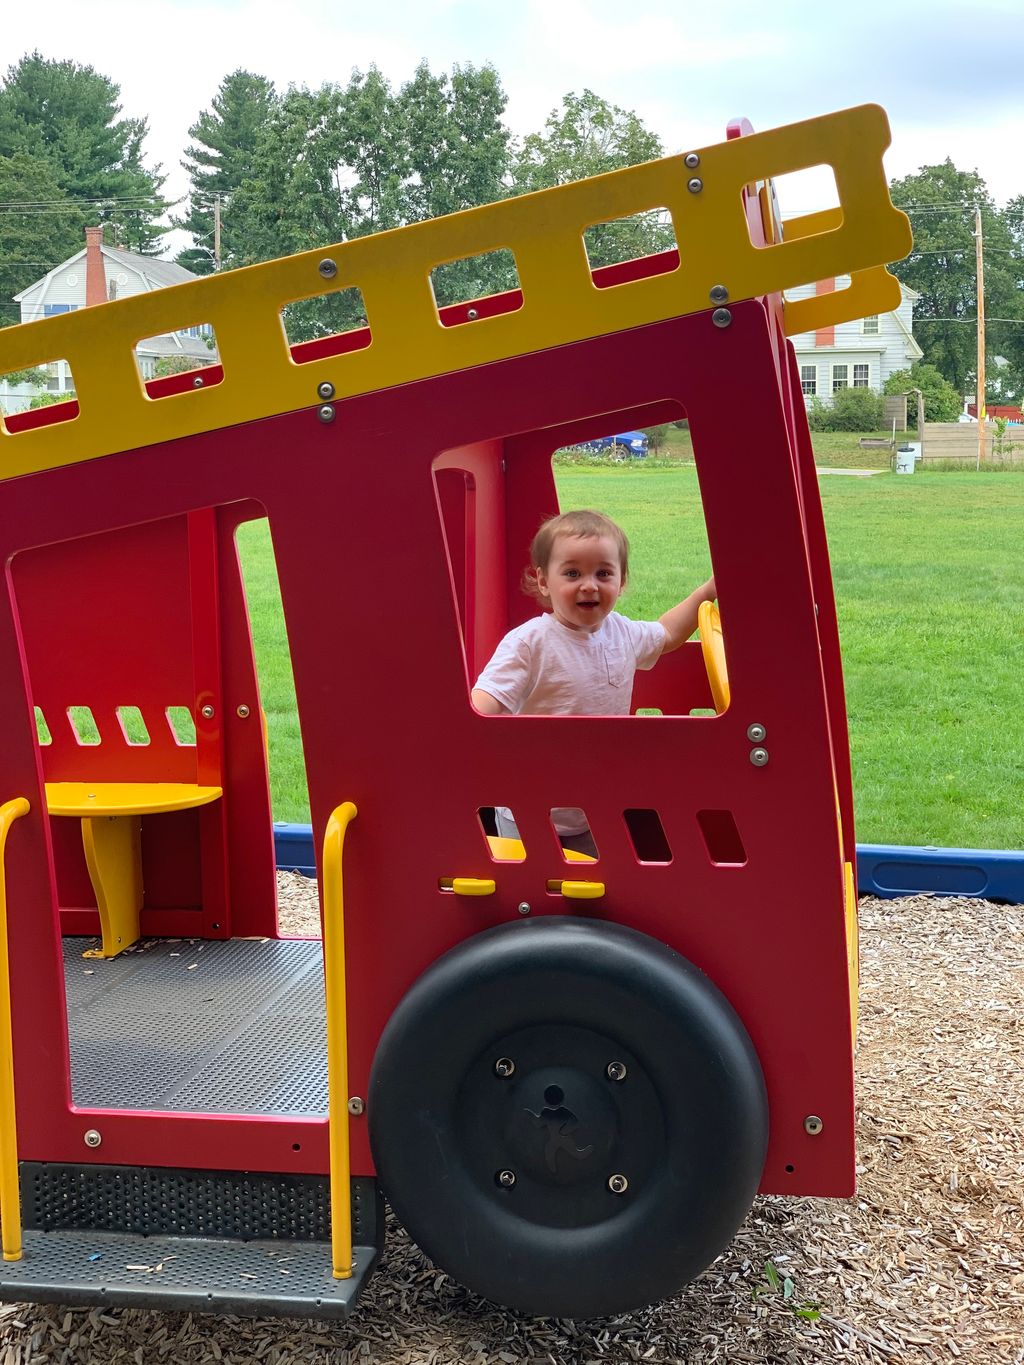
[[194, 1026], [287, 1279]]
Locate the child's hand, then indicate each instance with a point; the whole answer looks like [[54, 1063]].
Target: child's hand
[[681, 621]]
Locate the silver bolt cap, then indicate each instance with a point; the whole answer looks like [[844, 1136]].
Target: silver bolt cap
[[618, 1184], [92, 1137], [524, 907], [616, 1071], [721, 317], [325, 390], [813, 1125], [695, 185], [756, 732], [328, 268], [759, 757], [506, 1179], [325, 413], [691, 160], [356, 1106], [207, 712], [718, 294], [504, 1066]]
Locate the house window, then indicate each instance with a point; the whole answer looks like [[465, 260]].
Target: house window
[[809, 380], [860, 376], [50, 310], [840, 377], [53, 376], [869, 327]]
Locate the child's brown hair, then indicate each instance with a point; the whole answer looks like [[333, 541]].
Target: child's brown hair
[[583, 524]]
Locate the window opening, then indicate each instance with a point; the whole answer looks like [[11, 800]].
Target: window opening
[[809, 380], [189, 347], [647, 835], [132, 724], [721, 838], [42, 729], [840, 377], [182, 724], [861, 375], [472, 278], [501, 834], [573, 832], [289, 793], [83, 725], [804, 192], [37, 386], [617, 240], [339, 314]]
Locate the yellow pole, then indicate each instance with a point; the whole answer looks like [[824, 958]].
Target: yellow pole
[[337, 1039], [10, 1193]]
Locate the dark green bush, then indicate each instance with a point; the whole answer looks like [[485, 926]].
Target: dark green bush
[[850, 410]]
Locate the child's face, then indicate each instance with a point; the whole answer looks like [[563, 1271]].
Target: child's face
[[582, 581]]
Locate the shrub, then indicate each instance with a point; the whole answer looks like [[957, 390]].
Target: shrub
[[941, 400], [850, 410]]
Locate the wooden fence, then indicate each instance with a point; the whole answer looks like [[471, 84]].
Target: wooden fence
[[958, 442]]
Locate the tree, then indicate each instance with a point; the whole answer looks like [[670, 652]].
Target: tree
[[458, 151], [941, 399], [941, 202], [40, 228], [223, 154], [589, 136], [65, 116]]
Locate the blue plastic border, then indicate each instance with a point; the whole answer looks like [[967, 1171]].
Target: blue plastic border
[[882, 869]]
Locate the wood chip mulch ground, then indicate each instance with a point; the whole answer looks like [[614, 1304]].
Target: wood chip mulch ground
[[924, 1264]]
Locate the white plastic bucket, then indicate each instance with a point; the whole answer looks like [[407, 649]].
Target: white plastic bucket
[[905, 460]]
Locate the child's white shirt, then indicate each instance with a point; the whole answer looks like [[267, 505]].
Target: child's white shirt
[[543, 668]]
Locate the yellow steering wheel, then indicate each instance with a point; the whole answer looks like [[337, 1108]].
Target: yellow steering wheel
[[709, 622]]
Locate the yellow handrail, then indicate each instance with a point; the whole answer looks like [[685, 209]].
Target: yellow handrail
[[10, 1193], [337, 1040]]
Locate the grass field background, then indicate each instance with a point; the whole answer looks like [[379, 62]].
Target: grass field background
[[929, 577]]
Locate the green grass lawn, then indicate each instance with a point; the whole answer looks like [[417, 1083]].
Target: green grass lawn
[[930, 590]]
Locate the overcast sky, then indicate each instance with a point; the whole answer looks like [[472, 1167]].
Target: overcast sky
[[948, 74]]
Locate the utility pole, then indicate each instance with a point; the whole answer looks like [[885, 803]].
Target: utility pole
[[979, 401], [216, 232]]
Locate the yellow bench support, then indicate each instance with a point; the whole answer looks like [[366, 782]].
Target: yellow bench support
[[337, 1040], [110, 814], [10, 1193]]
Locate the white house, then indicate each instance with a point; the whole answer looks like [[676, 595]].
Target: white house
[[856, 355], [92, 276]]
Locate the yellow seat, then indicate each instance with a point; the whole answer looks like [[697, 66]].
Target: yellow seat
[[110, 814]]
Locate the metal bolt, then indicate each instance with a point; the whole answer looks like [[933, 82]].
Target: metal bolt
[[756, 733], [326, 413], [92, 1138], [692, 160], [207, 712], [718, 294], [616, 1071], [618, 1184], [197, 383], [243, 711], [472, 314], [326, 389], [695, 185], [504, 1066], [328, 268], [356, 1106], [813, 1125], [506, 1179], [721, 317], [524, 907], [759, 757]]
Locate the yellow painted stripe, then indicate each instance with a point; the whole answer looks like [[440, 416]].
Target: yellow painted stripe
[[561, 303], [337, 1040], [10, 1193]]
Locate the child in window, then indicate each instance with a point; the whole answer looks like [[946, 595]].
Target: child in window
[[578, 658]]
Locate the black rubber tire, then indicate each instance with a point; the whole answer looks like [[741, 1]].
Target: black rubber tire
[[563, 999]]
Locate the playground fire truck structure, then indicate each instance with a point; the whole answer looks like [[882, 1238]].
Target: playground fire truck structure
[[569, 1079]]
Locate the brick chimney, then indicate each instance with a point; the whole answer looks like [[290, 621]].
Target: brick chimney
[[95, 274]]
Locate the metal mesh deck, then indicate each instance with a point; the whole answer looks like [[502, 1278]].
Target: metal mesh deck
[[199, 1026]]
